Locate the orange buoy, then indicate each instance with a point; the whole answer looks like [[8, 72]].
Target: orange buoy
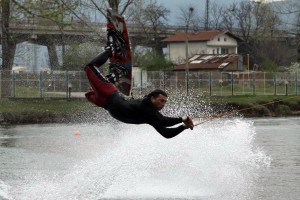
[[77, 133]]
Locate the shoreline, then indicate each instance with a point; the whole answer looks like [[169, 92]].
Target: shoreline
[[83, 112]]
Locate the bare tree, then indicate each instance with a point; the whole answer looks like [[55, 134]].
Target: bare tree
[[152, 19], [217, 15], [188, 17], [39, 12], [228, 20], [239, 16], [266, 21], [78, 53], [269, 35], [258, 24], [290, 10], [119, 6]]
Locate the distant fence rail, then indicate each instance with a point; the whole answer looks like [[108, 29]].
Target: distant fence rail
[[67, 84]]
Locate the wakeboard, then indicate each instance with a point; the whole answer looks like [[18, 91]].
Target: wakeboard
[[121, 60]]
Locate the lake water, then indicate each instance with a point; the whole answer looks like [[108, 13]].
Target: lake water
[[232, 159]]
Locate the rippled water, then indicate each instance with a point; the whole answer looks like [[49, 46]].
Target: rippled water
[[223, 159]]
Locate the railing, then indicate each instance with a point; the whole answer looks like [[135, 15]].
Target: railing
[[67, 84]]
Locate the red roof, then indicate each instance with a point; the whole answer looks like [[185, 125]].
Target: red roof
[[195, 36]]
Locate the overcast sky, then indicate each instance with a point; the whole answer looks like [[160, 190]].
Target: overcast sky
[[199, 6]]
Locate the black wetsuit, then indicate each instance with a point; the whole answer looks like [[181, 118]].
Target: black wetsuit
[[142, 111], [139, 111]]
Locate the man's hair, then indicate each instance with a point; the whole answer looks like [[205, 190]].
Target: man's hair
[[156, 93]]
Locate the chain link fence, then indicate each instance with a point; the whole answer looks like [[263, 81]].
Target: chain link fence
[[71, 84]]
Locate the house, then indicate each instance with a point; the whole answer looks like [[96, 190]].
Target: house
[[207, 50]]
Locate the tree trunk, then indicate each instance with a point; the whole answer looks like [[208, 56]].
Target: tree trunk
[[6, 51], [159, 50], [298, 53], [52, 56], [114, 4]]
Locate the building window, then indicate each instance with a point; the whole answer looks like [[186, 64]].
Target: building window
[[219, 39], [214, 51], [224, 50], [217, 50], [225, 39]]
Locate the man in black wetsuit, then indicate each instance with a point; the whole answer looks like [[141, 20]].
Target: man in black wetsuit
[[146, 110], [103, 93]]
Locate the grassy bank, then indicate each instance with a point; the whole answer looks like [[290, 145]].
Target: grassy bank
[[260, 106], [32, 105], [15, 111], [256, 99]]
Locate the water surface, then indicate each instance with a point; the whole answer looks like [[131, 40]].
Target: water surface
[[223, 159]]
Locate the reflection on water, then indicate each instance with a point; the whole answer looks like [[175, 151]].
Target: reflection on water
[[7, 136], [226, 159]]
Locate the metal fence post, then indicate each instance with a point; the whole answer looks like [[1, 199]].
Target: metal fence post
[[80, 81], [286, 88], [176, 81], [296, 83], [254, 83], [275, 83], [231, 83], [66, 83], [187, 83], [14, 83], [141, 83], [243, 83], [0, 84], [41, 84], [164, 74], [221, 84], [264, 83], [210, 83]]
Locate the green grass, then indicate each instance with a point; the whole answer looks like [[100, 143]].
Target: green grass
[[22, 105], [27, 92], [63, 105], [254, 99], [34, 91]]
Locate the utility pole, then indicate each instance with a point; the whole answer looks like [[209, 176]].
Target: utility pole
[[207, 15], [190, 15], [298, 38]]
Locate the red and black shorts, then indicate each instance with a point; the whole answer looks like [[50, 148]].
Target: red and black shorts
[[100, 89]]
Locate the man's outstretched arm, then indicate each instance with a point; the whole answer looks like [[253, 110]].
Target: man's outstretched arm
[[169, 132]]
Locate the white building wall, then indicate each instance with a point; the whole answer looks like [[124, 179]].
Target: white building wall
[[223, 41], [176, 51], [197, 48]]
